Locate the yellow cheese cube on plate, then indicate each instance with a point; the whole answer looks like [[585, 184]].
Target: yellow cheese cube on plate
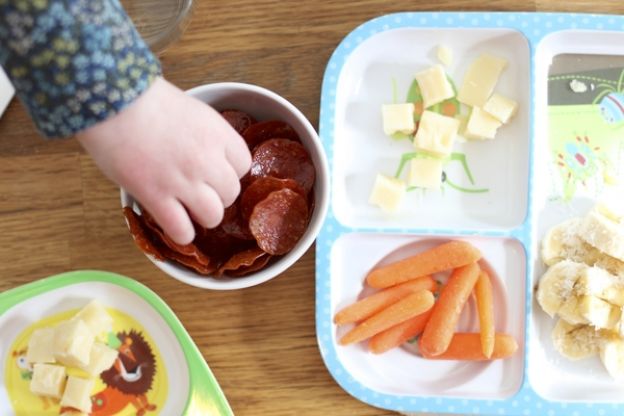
[[101, 359], [387, 193], [481, 125], [398, 118], [502, 108], [480, 80], [436, 133], [425, 172], [48, 380], [96, 318], [72, 343], [434, 86], [78, 394], [445, 55], [40, 346]]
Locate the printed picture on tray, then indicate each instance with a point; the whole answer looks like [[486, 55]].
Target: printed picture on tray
[[136, 384], [586, 131]]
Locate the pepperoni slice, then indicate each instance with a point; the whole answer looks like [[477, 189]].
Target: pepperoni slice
[[234, 224], [284, 159], [188, 261], [265, 130], [260, 188], [244, 262], [239, 120], [139, 234], [186, 249], [279, 221]]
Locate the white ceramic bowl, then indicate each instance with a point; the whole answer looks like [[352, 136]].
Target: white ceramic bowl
[[263, 105]]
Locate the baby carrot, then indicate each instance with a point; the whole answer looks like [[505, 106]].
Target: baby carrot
[[368, 306], [467, 346], [446, 256], [439, 330], [485, 305], [398, 334], [411, 305]]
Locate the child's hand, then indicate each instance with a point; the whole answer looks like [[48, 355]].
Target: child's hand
[[175, 155]]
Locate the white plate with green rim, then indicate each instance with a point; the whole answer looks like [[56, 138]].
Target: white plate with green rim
[[163, 370]]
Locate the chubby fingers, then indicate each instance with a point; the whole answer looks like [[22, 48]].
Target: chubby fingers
[[171, 215]]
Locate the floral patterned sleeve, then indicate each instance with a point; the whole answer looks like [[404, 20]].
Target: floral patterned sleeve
[[73, 62]]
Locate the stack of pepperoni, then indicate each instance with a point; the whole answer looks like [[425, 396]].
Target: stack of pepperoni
[[266, 221]]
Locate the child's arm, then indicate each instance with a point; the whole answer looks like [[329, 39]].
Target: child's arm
[[77, 64]]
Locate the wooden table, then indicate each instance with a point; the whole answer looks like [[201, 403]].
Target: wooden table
[[59, 213]]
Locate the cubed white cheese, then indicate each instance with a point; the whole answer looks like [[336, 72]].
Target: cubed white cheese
[[445, 55], [78, 394], [48, 380], [434, 86], [436, 133], [101, 359], [40, 346], [502, 108], [425, 173], [72, 343], [480, 80], [481, 125], [94, 315], [387, 193], [398, 118]]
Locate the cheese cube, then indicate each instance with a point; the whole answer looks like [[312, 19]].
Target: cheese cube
[[101, 359], [445, 55], [502, 108], [387, 193], [40, 346], [480, 80], [48, 380], [398, 118], [436, 133], [598, 313], [72, 343], [78, 394], [434, 86], [481, 125], [96, 318], [425, 173]]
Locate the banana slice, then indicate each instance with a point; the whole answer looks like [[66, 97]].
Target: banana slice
[[603, 233], [575, 341], [612, 357], [559, 242], [557, 284], [571, 311]]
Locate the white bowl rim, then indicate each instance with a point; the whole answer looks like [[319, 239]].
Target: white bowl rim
[[285, 262]]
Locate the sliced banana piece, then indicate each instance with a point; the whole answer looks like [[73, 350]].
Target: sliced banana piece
[[575, 341], [603, 233], [557, 284], [612, 357], [561, 242]]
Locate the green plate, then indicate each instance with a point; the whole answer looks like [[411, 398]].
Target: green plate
[[159, 370]]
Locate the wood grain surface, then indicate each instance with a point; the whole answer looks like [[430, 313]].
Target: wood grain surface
[[59, 213]]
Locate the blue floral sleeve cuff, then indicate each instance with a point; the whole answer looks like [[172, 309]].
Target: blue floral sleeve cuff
[[73, 62]]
